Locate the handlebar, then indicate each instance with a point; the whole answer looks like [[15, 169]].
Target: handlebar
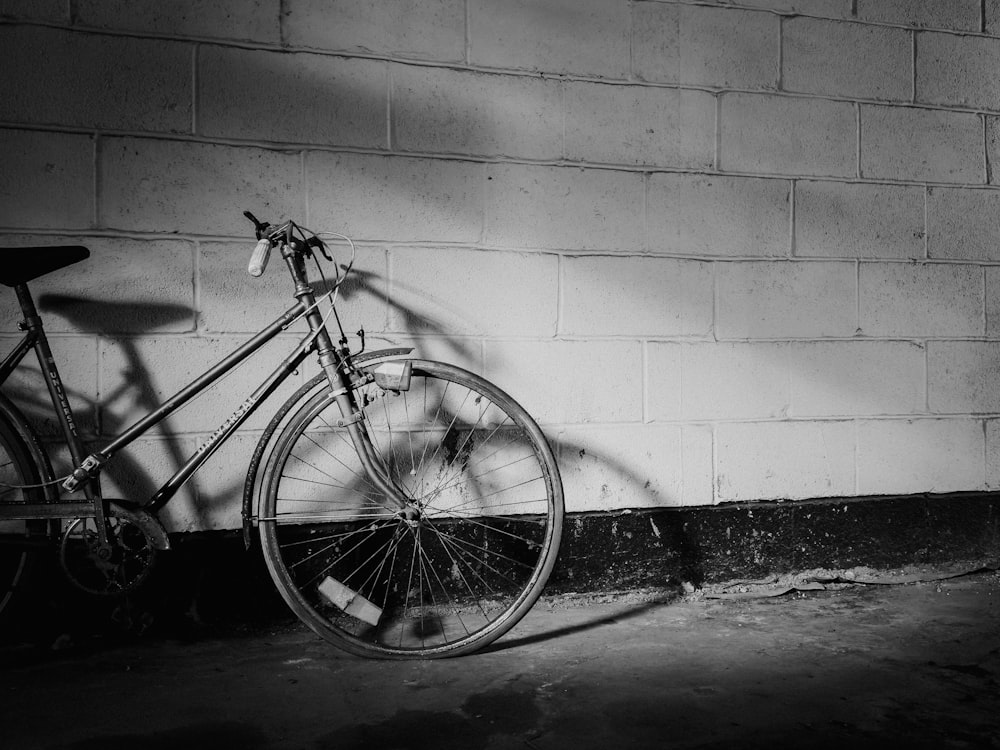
[[270, 236]]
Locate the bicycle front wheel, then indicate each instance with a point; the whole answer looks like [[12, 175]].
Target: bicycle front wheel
[[447, 582]]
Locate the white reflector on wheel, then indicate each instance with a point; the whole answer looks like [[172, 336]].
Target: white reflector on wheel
[[350, 601]]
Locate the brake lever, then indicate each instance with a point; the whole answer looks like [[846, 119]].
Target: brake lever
[[259, 227], [317, 242]]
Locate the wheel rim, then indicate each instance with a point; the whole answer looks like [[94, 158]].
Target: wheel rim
[[461, 572], [15, 469]]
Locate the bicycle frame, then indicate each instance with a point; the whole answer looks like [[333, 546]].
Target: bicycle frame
[[335, 363]]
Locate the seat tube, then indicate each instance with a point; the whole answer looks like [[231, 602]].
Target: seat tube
[[50, 373]]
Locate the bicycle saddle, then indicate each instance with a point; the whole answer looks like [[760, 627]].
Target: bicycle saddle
[[22, 264]]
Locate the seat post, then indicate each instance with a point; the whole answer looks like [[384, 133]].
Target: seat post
[[32, 322]]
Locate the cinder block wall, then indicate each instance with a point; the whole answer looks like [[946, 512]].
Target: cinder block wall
[[723, 251]]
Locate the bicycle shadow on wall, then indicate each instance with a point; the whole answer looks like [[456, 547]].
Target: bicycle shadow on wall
[[85, 314], [137, 384]]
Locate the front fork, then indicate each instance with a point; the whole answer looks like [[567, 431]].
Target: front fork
[[352, 418]]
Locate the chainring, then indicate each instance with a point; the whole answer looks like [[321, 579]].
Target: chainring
[[123, 568]]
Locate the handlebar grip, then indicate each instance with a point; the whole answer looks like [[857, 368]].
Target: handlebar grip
[[258, 261]]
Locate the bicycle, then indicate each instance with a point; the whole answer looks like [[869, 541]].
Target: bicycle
[[406, 508]]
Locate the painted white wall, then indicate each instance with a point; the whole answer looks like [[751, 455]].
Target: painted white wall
[[723, 251]]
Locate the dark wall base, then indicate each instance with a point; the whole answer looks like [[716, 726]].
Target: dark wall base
[[750, 541], [210, 583]]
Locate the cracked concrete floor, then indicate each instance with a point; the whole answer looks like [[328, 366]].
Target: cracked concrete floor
[[915, 666]]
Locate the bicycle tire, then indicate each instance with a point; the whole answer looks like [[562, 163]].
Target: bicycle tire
[[17, 467], [448, 583]]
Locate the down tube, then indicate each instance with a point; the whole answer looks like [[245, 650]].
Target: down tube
[[227, 428]]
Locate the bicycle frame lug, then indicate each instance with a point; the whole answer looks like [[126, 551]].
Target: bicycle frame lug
[[87, 470]]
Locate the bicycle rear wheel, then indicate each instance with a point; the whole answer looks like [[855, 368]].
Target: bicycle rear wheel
[[18, 539], [446, 583]]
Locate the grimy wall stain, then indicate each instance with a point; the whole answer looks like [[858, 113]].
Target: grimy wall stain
[[723, 251]]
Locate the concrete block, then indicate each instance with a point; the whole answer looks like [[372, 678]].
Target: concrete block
[[695, 382], [314, 99], [958, 15], [962, 224], [703, 46], [776, 380], [580, 37], [992, 454], [393, 198], [858, 220], [635, 466], [636, 296], [697, 465], [175, 186], [856, 378], [786, 135], [563, 208], [904, 299], [47, 181], [921, 455], [466, 292], [993, 149], [140, 374], [463, 112], [232, 301], [55, 11], [879, 64], [991, 17], [126, 286], [784, 460], [253, 20], [76, 359], [786, 299], [570, 382], [961, 377], [49, 77], [640, 125], [718, 215], [137, 472], [423, 29], [923, 145], [958, 70], [992, 300]]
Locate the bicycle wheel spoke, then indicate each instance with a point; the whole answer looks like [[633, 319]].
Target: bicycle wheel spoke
[[472, 479], [450, 547], [480, 549], [333, 544], [359, 475], [444, 590], [480, 498]]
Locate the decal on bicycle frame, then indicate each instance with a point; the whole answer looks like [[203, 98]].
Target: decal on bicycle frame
[[225, 426], [61, 395]]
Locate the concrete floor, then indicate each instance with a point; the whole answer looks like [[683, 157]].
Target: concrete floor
[[865, 666]]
